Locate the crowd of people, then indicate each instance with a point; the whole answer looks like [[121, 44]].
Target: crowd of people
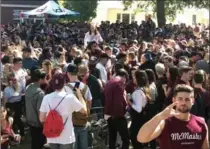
[[53, 74]]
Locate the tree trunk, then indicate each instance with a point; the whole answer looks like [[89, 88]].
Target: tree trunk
[[160, 5]]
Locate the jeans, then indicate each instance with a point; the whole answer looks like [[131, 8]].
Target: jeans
[[118, 125], [81, 135], [60, 146], [37, 138]]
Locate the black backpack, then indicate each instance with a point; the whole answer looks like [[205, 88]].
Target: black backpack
[[147, 112], [199, 107]]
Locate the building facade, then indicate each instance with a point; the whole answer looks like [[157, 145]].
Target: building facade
[[10, 9], [114, 10]]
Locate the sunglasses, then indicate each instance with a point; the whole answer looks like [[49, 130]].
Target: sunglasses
[[83, 75]]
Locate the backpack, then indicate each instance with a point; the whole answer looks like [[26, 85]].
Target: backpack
[[78, 118], [150, 108], [147, 111], [54, 125], [198, 107]]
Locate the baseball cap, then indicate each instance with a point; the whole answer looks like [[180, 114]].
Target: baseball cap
[[58, 81], [185, 68], [72, 68], [183, 64]]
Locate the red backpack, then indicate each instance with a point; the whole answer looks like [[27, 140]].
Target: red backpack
[[54, 125]]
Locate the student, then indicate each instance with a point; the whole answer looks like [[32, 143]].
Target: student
[[8, 137], [66, 104], [190, 131]]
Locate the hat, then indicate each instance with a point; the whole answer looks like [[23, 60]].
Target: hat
[[72, 68], [58, 81], [183, 64], [104, 55], [27, 49], [202, 65], [134, 41], [185, 68]]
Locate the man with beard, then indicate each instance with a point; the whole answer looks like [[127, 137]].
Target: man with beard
[[177, 128]]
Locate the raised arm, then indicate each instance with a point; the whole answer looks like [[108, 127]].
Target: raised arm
[[153, 128]]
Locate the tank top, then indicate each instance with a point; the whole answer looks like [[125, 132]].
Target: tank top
[[179, 134]]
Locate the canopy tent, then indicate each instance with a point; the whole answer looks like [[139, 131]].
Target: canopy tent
[[51, 8]]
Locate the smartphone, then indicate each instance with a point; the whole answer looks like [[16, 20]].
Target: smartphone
[[76, 85]]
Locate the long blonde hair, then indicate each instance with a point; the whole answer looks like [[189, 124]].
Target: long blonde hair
[[49, 67]]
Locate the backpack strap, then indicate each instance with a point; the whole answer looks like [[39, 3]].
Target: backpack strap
[[84, 90], [58, 105], [59, 102], [70, 86]]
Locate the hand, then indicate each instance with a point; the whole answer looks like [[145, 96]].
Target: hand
[[17, 138], [169, 111], [4, 138], [164, 86]]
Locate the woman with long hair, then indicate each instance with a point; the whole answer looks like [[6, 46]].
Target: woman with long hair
[[92, 35], [13, 98], [47, 67], [152, 86], [172, 75], [8, 137], [60, 58], [138, 100]]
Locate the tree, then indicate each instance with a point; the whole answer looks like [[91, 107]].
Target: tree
[[166, 9], [86, 8]]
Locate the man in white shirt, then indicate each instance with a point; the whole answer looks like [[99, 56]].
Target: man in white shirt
[[20, 74], [102, 67], [81, 130], [68, 105]]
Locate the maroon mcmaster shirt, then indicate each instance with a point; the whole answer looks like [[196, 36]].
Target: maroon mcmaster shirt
[[179, 134], [115, 104]]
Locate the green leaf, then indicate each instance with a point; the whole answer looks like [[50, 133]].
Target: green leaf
[[171, 7], [86, 8]]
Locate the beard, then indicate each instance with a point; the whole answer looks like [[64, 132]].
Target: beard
[[183, 109]]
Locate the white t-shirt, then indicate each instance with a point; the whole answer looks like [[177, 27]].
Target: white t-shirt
[[153, 91], [139, 100], [89, 38], [20, 75], [88, 95], [103, 72], [69, 105]]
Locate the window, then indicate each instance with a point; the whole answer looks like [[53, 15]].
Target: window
[[118, 17], [132, 17], [126, 18], [16, 14], [194, 19]]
